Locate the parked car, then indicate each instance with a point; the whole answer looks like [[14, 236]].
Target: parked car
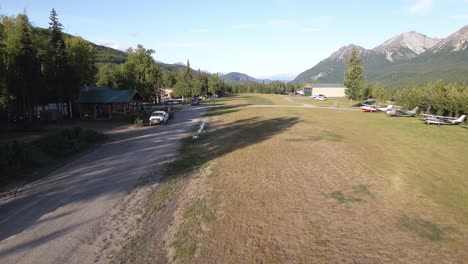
[[158, 118], [194, 102], [320, 97], [169, 110]]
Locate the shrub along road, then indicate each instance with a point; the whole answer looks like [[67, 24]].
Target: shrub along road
[[82, 212]]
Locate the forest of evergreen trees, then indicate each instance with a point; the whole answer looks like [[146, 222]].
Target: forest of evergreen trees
[[43, 66]]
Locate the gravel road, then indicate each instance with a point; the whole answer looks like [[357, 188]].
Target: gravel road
[[80, 211]]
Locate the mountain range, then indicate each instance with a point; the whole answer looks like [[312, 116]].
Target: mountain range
[[410, 56], [242, 78]]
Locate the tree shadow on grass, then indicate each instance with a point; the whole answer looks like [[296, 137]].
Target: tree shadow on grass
[[221, 139], [224, 109], [195, 155]]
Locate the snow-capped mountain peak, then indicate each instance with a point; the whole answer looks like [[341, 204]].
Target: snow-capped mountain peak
[[414, 41]]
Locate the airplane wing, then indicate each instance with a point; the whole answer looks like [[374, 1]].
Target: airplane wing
[[436, 117]]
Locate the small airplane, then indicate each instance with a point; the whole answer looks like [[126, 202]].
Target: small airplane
[[385, 109], [443, 120], [373, 108], [398, 112], [369, 108]]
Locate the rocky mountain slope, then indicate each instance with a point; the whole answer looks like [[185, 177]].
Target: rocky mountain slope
[[410, 56]]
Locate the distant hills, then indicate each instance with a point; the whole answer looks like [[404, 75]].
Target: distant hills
[[410, 56], [237, 77], [243, 78], [113, 56], [109, 55]]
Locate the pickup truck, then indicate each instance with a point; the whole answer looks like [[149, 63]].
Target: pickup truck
[[158, 117]]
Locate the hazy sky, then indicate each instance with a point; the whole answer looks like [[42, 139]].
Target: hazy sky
[[260, 38]]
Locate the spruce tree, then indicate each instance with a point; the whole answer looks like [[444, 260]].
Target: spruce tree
[[189, 79], [354, 78], [57, 69], [29, 77]]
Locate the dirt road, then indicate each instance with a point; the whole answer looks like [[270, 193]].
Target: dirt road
[[84, 211]]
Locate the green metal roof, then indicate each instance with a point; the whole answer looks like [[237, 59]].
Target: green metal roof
[[327, 85], [107, 96]]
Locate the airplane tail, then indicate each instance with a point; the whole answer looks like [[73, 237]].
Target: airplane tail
[[390, 107], [460, 119], [415, 109]]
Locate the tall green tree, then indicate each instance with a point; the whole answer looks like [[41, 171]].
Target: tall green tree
[[410, 97], [189, 79], [379, 93], [464, 99], [354, 78], [140, 71], [57, 69], [107, 75], [169, 78], [5, 97], [9, 50], [214, 84], [82, 60], [28, 84], [181, 88], [200, 84], [156, 78]]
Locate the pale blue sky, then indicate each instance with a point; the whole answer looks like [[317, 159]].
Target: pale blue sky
[[260, 38]]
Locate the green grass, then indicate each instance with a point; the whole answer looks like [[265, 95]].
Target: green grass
[[362, 189], [165, 193], [257, 100], [198, 212], [322, 135], [425, 228], [221, 110], [411, 155], [330, 102], [184, 245], [342, 198], [357, 193], [405, 151]]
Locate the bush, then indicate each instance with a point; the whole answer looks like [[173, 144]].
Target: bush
[[131, 118], [138, 122], [15, 157]]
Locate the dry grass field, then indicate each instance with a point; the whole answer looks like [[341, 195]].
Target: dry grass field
[[314, 185]]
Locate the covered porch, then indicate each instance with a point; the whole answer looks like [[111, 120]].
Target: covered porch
[[104, 103]]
